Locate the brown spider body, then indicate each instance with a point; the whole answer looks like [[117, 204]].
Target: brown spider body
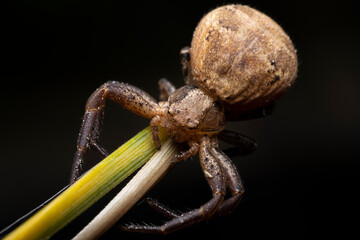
[[184, 120], [240, 61], [242, 57]]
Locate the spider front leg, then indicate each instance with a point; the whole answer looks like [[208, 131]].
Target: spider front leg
[[213, 174], [128, 96]]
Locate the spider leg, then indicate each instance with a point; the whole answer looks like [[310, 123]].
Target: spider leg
[[128, 96], [155, 131], [183, 155], [243, 144], [161, 208], [185, 63], [166, 89], [213, 175], [233, 181]]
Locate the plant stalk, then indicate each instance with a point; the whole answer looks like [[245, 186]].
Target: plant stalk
[[89, 188], [138, 186]]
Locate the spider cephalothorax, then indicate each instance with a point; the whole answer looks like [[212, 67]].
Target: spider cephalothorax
[[240, 61], [183, 119]]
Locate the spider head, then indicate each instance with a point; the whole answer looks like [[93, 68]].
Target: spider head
[[191, 110]]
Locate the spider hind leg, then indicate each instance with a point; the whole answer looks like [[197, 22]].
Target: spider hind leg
[[233, 182], [166, 88], [243, 145]]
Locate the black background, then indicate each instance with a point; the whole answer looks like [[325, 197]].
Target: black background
[[302, 182]]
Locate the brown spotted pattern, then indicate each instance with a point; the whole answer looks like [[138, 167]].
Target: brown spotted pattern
[[242, 57]]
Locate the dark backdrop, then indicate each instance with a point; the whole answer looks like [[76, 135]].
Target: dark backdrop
[[302, 182]]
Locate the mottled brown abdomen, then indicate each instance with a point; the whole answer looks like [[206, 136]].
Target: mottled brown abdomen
[[242, 57]]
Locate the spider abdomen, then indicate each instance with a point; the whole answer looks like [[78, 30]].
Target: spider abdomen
[[242, 57]]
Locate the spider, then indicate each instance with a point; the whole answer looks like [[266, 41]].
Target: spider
[[189, 115], [196, 113]]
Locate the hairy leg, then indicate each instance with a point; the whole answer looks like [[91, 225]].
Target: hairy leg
[[128, 96], [213, 175], [161, 208], [233, 181]]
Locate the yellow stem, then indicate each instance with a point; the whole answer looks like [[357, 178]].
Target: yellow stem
[[89, 188], [138, 186]]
